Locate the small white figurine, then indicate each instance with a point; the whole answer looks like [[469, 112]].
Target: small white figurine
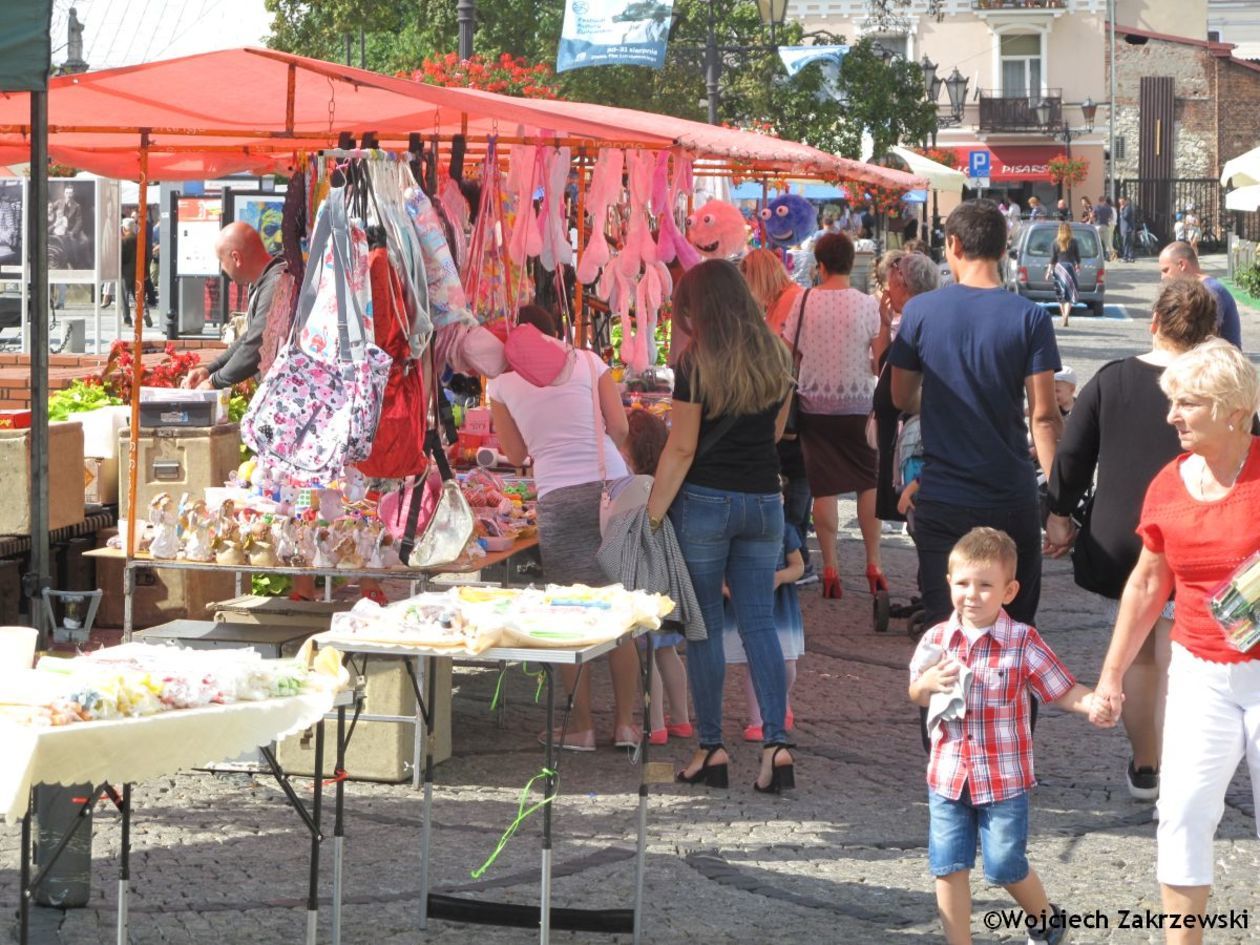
[[165, 521], [194, 523]]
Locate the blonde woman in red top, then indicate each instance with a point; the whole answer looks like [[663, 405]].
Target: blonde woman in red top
[[1198, 525]]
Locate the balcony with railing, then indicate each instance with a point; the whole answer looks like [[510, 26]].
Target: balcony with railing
[[1019, 4], [1002, 112]]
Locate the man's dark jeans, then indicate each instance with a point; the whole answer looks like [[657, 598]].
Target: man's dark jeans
[[797, 505]]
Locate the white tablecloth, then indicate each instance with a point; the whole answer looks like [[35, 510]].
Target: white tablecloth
[[132, 750]]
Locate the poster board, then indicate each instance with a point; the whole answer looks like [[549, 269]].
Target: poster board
[[613, 32], [108, 236], [72, 230], [263, 211], [198, 221], [12, 224]]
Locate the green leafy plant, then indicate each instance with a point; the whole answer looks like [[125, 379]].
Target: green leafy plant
[[272, 585], [80, 397], [1249, 280]]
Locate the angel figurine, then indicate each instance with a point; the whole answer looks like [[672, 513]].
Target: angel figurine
[[165, 521], [194, 522], [258, 547], [324, 557]]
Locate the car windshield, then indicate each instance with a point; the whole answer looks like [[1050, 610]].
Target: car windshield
[[1041, 240]]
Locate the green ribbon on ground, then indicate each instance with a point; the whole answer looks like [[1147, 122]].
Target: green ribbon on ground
[[522, 812]]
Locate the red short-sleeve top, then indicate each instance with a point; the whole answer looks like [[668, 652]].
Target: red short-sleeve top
[[1203, 543]]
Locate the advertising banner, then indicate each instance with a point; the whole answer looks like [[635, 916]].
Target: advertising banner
[[614, 33]]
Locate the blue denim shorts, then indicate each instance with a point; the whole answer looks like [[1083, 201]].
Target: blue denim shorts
[[1001, 828]]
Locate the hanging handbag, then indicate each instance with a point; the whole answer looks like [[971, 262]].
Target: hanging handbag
[[794, 408], [437, 513], [398, 447], [310, 416]]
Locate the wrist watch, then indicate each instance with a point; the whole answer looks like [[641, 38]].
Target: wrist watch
[[655, 523]]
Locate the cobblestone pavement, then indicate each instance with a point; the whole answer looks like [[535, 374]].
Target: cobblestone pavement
[[840, 860]]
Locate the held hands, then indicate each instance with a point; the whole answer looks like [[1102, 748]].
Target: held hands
[[1106, 705], [1060, 535]]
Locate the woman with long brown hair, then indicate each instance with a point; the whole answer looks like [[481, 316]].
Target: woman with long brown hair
[[1065, 261], [718, 480]]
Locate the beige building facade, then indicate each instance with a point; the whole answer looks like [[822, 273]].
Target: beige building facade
[[1015, 55]]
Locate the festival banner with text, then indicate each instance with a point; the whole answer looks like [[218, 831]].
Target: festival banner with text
[[614, 33]]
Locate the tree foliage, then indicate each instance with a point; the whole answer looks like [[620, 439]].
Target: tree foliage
[[883, 99]]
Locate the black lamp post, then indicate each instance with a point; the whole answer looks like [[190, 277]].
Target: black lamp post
[[1045, 112], [466, 17], [773, 16], [956, 91]]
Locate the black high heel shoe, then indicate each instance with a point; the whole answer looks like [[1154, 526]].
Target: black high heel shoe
[[782, 777], [716, 776]]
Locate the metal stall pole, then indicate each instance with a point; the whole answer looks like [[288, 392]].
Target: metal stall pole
[[549, 787], [123, 804], [38, 576], [312, 896]]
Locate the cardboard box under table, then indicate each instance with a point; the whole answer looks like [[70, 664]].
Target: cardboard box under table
[[388, 732], [65, 478], [158, 594], [466, 909]]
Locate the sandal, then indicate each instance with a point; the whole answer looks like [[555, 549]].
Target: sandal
[[715, 776], [876, 579], [831, 589], [573, 741], [782, 777]]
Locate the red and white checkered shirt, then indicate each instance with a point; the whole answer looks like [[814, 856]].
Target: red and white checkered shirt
[[989, 750]]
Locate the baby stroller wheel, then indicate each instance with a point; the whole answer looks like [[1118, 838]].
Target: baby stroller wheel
[[914, 626], [882, 611]]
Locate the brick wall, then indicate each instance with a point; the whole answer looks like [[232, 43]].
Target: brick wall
[[1217, 104], [63, 369]]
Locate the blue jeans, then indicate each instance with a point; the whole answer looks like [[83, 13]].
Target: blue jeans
[[1001, 828], [736, 537]]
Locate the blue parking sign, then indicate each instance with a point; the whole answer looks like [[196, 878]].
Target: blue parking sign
[[978, 164]]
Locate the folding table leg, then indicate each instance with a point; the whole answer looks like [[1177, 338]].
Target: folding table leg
[[124, 872], [24, 876], [312, 896], [641, 846], [549, 788], [339, 833], [426, 826]]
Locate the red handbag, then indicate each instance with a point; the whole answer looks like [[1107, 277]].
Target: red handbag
[[398, 448]]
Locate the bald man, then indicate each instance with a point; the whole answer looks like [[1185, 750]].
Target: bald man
[[245, 260], [1178, 260]]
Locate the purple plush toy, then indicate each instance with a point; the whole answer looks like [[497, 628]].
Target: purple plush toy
[[789, 220]]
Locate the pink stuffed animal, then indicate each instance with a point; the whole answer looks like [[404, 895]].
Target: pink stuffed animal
[[670, 243], [603, 192], [717, 230], [556, 248]]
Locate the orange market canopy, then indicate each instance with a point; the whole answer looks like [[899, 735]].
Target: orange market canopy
[[253, 110]]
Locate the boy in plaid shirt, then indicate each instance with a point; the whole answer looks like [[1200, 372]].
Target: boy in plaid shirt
[[973, 672]]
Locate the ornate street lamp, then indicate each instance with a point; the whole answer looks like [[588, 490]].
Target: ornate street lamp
[[931, 84], [773, 16], [1089, 108], [956, 89]]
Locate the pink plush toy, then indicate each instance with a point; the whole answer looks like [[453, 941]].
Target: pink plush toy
[[717, 230], [670, 243], [556, 248], [603, 192], [524, 176]]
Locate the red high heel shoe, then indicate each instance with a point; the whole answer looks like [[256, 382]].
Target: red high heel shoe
[[875, 577], [831, 588]]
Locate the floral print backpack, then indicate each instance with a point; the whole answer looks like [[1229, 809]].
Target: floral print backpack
[[315, 413]]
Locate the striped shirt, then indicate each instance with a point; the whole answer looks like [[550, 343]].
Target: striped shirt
[[989, 750]]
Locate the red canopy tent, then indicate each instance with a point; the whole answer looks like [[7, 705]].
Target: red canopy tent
[[243, 110]]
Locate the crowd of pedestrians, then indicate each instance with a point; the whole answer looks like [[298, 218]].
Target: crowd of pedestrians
[[946, 406]]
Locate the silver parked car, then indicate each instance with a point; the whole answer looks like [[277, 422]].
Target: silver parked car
[[1028, 263]]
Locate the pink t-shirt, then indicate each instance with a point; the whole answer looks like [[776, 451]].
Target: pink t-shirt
[[835, 351], [558, 426]]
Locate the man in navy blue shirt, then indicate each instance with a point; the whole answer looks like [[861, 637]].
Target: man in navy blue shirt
[[970, 352], [1178, 260]]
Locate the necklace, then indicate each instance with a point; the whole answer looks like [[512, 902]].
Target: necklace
[[1238, 472]]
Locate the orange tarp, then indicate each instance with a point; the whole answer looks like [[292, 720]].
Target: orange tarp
[[242, 110]]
